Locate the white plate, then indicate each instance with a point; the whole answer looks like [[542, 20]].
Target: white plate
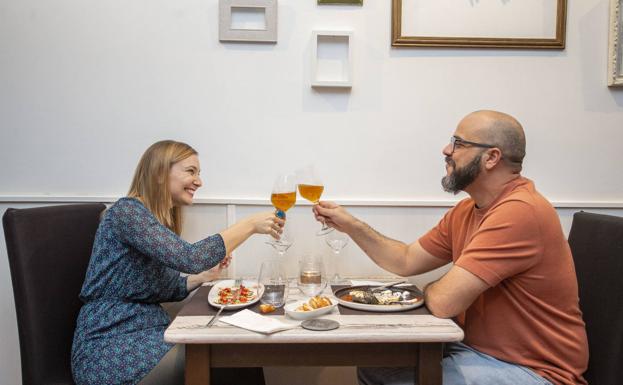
[[252, 285], [377, 308], [292, 313]]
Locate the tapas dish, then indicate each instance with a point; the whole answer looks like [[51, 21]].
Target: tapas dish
[[368, 298], [224, 293], [312, 308]]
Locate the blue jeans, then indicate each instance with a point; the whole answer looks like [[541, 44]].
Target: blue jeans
[[461, 365]]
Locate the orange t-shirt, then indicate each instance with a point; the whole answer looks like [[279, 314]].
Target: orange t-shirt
[[530, 315]]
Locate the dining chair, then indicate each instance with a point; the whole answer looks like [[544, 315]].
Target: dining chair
[[49, 249], [596, 243]]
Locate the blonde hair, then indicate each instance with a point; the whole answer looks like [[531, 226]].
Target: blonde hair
[[151, 181]]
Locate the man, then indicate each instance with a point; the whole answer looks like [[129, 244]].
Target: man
[[512, 287]]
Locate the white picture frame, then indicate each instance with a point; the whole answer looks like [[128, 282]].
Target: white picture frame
[[229, 34], [615, 46], [340, 66]]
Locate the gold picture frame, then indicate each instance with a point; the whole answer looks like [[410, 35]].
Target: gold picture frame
[[557, 42], [615, 46]]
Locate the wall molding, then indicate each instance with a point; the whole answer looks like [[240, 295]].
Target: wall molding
[[241, 201]]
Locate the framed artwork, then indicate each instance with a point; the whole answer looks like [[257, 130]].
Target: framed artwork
[[355, 2], [532, 24], [332, 59], [248, 20], [615, 51]]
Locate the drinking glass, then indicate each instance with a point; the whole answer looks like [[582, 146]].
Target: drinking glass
[[283, 197], [275, 281], [311, 280], [311, 188], [336, 240]]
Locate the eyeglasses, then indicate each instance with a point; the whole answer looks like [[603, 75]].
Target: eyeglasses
[[455, 142]]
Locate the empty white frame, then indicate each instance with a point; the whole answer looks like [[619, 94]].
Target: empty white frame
[[615, 52], [246, 28], [332, 59]]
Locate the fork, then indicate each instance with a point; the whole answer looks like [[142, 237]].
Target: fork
[[386, 286], [234, 298]]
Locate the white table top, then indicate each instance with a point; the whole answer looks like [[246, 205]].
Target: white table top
[[376, 327]]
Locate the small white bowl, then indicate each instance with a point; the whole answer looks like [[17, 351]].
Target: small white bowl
[[290, 310]]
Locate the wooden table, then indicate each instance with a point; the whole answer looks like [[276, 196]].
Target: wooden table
[[378, 339]]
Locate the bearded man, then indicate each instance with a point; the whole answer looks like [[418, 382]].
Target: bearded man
[[512, 285]]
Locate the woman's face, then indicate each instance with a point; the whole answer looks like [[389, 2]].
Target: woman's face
[[184, 180]]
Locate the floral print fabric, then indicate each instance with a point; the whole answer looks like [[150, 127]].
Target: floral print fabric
[[135, 264]]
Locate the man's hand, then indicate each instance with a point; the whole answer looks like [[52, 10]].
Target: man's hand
[[334, 216]]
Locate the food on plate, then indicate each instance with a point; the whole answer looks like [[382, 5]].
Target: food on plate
[[382, 297], [315, 303], [227, 295], [267, 308]]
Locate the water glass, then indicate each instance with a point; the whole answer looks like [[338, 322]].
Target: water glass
[[312, 279], [275, 282]]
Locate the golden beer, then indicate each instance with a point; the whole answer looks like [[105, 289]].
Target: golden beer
[[283, 201], [311, 192]]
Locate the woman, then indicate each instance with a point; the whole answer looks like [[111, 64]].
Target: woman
[[136, 262]]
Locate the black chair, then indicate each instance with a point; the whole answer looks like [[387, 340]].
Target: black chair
[[597, 245], [49, 250]]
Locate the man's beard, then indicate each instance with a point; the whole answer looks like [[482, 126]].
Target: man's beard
[[460, 178]]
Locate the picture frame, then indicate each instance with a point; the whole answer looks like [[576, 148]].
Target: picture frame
[[229, 34], [557, 41], [341, 2], [615, 45], [332, 59]]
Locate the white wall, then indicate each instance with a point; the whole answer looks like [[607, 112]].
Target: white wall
[[86, 86]]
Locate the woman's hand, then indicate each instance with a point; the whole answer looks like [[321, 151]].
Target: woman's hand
[[261, 223], [196, 280], [267, 223]]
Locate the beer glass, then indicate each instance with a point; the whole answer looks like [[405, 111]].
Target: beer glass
[[311, 188]]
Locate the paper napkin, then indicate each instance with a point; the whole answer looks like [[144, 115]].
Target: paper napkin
[[249, 320]]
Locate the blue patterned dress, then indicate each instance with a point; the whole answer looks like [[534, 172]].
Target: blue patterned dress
[[135, 264]]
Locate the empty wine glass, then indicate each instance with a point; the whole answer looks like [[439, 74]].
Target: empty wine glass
[[274, 280], [283, 197], [311, 188], [312, 279], [336, 240]]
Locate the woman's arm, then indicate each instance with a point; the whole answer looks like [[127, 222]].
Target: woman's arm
[[260, 223], [196, 280]]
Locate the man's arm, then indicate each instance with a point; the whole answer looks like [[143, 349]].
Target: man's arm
[[392, 255], [453, 293]]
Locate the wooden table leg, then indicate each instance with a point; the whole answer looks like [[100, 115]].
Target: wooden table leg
[[197, 371], [428, 369]]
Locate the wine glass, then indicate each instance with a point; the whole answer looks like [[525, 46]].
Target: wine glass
[[336, 240], [312, 279], [311, 188], [283, 197], [274, 280]]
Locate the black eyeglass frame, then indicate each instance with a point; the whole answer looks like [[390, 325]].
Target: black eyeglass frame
[[462, 142]]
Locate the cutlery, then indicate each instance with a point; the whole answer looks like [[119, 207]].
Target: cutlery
[[387, 285], [235, 294]]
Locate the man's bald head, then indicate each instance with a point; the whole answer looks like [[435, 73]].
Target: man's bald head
[[502, 131]]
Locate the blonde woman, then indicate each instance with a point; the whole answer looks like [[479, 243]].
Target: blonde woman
[[135, 265]]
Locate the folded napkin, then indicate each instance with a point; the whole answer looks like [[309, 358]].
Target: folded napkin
[[249, 320]]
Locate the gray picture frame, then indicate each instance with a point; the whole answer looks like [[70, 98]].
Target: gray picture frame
[[227, 34]]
